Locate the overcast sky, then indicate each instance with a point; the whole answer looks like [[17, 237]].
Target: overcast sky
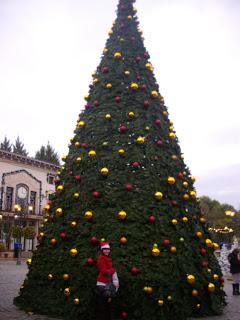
[[49, 49]]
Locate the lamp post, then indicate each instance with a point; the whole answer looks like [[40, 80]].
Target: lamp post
[[18, 209], [1, 218]]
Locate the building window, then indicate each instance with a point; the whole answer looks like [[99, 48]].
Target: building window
[[50, 179], [9, 199], [32, 204]]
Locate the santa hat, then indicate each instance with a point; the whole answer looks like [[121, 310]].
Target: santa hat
[[104, 245]]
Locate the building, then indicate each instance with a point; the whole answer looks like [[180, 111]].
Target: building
[[25, 187]]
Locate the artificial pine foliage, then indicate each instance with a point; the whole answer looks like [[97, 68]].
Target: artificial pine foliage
[[125, 181]]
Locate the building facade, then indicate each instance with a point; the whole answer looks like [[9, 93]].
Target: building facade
[[25, 187]]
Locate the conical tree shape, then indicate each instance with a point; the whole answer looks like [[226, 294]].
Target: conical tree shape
[[125, 181]]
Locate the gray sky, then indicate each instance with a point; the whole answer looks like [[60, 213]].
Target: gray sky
[[49, 49]]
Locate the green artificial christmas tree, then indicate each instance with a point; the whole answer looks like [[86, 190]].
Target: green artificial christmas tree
[[124, 181]]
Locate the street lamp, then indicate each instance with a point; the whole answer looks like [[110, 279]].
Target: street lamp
[[1, 218], [18, 208]]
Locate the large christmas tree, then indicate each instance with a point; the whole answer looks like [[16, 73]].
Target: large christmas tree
[[125, 181]]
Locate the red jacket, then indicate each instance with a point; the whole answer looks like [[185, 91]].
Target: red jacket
[[105, 267]]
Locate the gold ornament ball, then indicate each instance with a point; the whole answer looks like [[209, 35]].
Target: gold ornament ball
[[79, 159], [95, 81], [148, 290], [108, 116], [165, 113], [174, 157], [172, 135], [139, 31], [29, 262], [92, 153], [215, 246], [58, 172], [131, 114], [127, 73], [122, 215], [193, 178], [186, 196], [148, 66], [73, 252], [203, 220], [134, 86], [198, 306], [160, 302], [185, 219], [209, 243], [117, 55], [199, 234], [53, 241], [59, 212], [211, 287], [67, 292], [105, 50], [193, 194], [194, 293], [76, 195], [81, 124], [109, 86], [47, 207], [123, 240], [110, 32], [155, 252], [171, 180], [154, 94], [158, 195], [50, 276], [173, 249], [215, 277], [209, 270], [169, 298], [155, 245], [86, 97], [181, 239], [147, 128], [185, 184], [76, 301], [191, 279], [77, 144], [121, 152], [41, 234], [104, 172], [129, 17], [140, 140], [65, 276], [174, 222], [60, 188], [73, 224], [64, 158], [88, 215]]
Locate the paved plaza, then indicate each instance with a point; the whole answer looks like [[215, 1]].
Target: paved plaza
[[12, 276]]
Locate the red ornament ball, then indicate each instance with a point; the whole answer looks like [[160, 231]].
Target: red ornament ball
[[96, 194], [166, 242], [204, 264], [136, 164], [158, 122], [129, 187], [90, 261], [124, 315], [122, 128], [146, 103], [203, 252], [105, 69], [118, 99], [96, 103], [159, 143], [87, 106], [152, 219], [63, 235], [180, 175], [94, 240], [84, 145], [138, 58], [174, 203], [134, 270], [143, 87], [78, 178]]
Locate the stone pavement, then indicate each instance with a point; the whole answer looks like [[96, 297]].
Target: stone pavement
[[12, 276]]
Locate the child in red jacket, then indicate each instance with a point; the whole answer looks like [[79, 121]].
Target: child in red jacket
[[106, 273]]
